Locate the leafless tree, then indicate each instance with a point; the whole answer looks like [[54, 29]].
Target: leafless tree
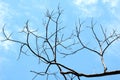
[[50, 46]]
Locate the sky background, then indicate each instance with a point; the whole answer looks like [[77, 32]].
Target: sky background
[[14, 13]]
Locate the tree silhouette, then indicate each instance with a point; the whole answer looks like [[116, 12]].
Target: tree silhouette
[[49, 47]]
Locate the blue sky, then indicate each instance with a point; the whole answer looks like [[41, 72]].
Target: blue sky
[[14, 13]]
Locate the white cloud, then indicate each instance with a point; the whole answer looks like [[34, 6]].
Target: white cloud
[[85, 2], [114, 7], [88, 8], [97, 8], [112, 3]]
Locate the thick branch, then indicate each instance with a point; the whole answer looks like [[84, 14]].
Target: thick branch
[[94, 75]]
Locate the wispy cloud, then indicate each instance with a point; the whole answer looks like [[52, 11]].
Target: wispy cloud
[[4, 13], [24, 11], [107, 13], [97, 8], [112, 3], [84, 2], [88, 8], [5, 45], [114, 7]]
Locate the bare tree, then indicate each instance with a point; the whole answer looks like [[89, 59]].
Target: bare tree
[[49, 47]]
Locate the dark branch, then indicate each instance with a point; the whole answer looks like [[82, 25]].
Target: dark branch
[[94, 75]]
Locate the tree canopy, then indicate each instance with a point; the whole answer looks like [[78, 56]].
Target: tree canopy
[[55, 48]]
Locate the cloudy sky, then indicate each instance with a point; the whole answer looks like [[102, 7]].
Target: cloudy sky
[[14, 14]]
